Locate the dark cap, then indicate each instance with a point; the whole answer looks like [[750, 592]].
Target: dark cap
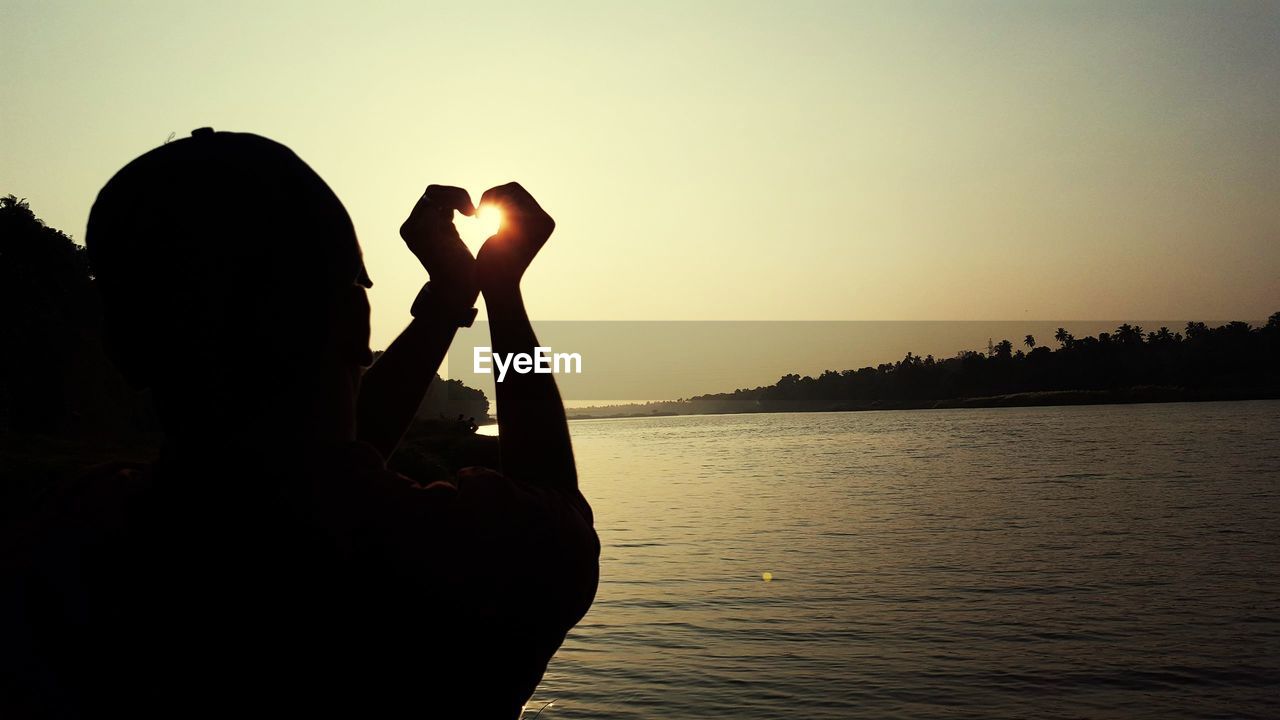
[[232, 201], [216, 242]]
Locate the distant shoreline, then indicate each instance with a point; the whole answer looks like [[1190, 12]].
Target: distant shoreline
[[1048, 398]]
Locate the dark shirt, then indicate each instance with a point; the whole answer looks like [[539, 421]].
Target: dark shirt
[[328, 586]]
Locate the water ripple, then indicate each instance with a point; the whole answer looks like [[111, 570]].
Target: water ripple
[[1113, 561]]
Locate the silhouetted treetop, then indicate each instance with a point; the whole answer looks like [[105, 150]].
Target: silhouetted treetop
[[1233, 360]]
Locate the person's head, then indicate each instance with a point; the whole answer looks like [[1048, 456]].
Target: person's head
[[232, 285]]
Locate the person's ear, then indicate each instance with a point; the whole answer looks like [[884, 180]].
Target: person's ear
[[352, 331]]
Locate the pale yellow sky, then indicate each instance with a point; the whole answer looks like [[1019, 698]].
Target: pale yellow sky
[[730, 160]]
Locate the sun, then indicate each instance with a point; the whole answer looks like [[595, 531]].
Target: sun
[[484, 225], [488, 220]]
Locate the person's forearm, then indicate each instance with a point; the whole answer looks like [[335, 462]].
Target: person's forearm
[[532, 429], [392, 389]]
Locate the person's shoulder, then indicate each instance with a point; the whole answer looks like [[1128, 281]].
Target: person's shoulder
[[388, 487], [542, 536], [488, 488]]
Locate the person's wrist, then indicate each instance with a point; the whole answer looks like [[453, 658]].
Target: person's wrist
[[442, 302], [501, 290], [453, 294], [494, 281]]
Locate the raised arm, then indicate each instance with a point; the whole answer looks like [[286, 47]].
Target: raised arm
[[393, 388], [532, 429]]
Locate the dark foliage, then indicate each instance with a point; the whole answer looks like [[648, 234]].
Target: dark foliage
[[1231, 361], [48, 317]]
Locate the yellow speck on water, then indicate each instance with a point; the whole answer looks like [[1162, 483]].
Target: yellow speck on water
[[768, 577]]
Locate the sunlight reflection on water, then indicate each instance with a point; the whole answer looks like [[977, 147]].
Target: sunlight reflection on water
[[1047, 562]]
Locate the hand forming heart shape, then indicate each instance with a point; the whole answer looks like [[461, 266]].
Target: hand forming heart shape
[[509, 230]]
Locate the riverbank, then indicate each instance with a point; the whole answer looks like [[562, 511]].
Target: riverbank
[[1049, 398]]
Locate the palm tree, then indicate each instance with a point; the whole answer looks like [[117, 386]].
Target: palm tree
[[1029, 341], [1063, 337], [1004, 348], [1127, 333]]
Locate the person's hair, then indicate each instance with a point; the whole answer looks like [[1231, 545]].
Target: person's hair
[[218, 253]]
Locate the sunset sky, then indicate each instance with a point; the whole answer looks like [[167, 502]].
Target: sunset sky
[[727, 160]]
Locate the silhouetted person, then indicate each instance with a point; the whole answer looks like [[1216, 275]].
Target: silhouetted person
[[268, 563]]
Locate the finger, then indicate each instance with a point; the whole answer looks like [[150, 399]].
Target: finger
[[424, 218], [493, 196], [511, 195], [448, 196]]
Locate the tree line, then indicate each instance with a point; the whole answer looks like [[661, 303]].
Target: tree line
[[1132, 364]]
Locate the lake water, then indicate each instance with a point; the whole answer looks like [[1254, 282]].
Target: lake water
[[1072, 562]]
